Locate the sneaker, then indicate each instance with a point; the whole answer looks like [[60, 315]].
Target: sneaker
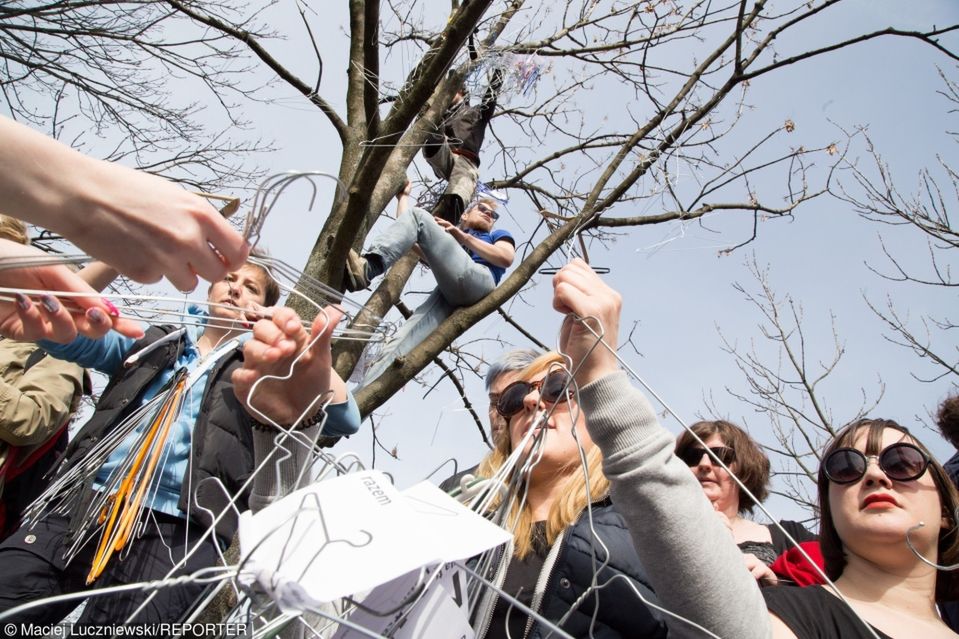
[[449, 207], [355, 276]]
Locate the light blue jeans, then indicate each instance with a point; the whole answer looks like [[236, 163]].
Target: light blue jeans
[[460, 281]]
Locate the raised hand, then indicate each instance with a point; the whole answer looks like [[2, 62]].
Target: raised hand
[[296, 367], [579, 293]]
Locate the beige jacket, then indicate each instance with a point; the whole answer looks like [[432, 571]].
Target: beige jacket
[[36, 402]]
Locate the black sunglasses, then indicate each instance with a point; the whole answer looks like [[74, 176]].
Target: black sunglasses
[[693, 455], [553, 389], [901, 461], [485, 209]]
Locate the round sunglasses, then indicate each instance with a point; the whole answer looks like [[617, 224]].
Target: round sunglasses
[[901, 461], [553, 389], [694, 454]]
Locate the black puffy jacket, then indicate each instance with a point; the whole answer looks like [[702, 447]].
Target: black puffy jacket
[[620, 614], [222, 442]]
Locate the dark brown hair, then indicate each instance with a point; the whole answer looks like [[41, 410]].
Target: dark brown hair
[[834, 556], [751, 465], [271, 291], [947, 419]]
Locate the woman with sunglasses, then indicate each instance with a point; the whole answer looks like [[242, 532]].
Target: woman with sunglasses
[[886, 505], [761, 544], [887, 509], [565, 529]]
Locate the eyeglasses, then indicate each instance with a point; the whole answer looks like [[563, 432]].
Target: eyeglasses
[[693, 455], [900, 461], [486, 209], [553, 389]]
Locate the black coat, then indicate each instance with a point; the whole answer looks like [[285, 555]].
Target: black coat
[[620, 614]]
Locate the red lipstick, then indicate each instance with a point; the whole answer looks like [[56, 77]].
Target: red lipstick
[[879, 500]]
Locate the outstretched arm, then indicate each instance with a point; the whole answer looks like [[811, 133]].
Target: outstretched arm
[[695, 567], [144, 225], [500, 253]]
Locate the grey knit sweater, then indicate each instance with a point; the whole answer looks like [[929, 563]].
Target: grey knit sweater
[[692, 561]]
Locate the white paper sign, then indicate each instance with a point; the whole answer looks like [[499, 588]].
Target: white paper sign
[[352, 533]]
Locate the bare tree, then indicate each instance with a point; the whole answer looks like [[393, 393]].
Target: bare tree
[[873, 191], [121, 71], [790, 394], [678, 73]]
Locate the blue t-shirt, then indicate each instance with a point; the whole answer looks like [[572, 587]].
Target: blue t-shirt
[[491, 237]]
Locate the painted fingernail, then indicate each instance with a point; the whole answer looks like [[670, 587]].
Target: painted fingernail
[[97, 316], [50, 303], [23, 301], [111, 308]]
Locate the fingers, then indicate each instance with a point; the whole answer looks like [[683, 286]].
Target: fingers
[[47, 318], [579, 292], [276, 342], [93, 315], [185, 281], [290, 324], [94, 323], [759, 570], [573, 286], [324, 323], [34, 321], [243, 379], [60, 320], [99, 316], [233, 250], [203, 245], [128, 328], [254, 313], [275, 339]]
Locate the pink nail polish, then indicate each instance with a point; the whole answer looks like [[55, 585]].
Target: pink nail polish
[[111, 308]]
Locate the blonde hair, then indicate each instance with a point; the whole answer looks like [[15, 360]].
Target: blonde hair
[[575, 496], [13, 229]]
